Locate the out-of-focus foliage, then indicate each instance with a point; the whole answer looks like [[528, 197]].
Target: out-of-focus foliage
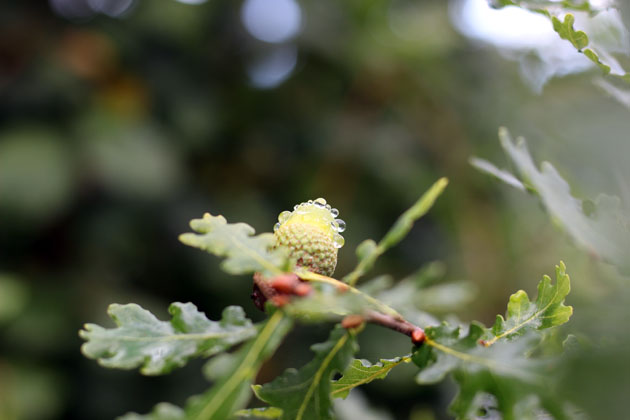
[[600, 226], [368, 251]]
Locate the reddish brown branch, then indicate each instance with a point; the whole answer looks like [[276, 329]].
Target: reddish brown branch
[[397, 324], [279, 290]]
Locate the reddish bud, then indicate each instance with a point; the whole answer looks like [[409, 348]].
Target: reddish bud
[[418, 336], [302, 289], [352, 321], [284, 283], [280, 300]]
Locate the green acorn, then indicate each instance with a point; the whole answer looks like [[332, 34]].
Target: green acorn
[[312, 233]]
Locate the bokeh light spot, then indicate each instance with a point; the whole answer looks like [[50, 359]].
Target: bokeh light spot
[[272, 20], [274, 67]]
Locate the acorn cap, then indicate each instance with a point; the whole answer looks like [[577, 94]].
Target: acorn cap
[[311, 232]]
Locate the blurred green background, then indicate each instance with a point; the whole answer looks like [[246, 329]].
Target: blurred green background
[[121, 120]]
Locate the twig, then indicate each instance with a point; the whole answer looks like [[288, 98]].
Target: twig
[[279, 289], [397, 324]]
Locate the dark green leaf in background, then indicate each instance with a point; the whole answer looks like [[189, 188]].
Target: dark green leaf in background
[[368, 251]]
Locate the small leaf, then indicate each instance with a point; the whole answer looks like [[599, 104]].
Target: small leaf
[[162, 411], [244, 252], [260, 413], [368, 252], [592, 55], [579, 39], [547, 311], [305, 394], [361, 372], [142, 340]]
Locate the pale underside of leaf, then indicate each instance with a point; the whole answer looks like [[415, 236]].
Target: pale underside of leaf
[[243, 252], [232, 388], [603, 233], [142, 340]]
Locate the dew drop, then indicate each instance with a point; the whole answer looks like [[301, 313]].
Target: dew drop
[[284, 216], [328, 207], [310, 201], [320, 202], [334, 212], [338, 240], [341, 225], [296, 207], [276, 226]]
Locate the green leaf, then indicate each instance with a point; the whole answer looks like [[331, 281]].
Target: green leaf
[[579, 39], [507, 372], [607, 44], [305, 394], [244, 253], [604, 232], [547, 311], [232, 391], [368, 251], [261, 413], [592, 55], [162, 411], [445, 348], [142, 340], [232, 388], [362, 372]]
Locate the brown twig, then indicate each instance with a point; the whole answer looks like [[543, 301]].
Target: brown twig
[[279, 290], [397, 324]]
